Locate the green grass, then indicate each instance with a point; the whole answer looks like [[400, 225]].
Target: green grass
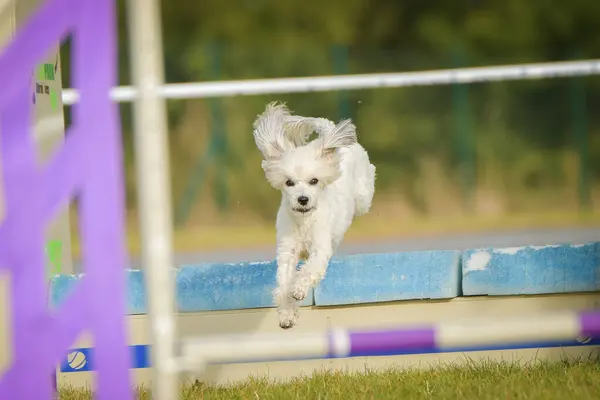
[[477, 380]]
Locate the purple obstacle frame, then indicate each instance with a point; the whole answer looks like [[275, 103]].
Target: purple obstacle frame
[[88, 165]]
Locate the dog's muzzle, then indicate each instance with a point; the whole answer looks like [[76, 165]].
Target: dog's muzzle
[[303, 210]]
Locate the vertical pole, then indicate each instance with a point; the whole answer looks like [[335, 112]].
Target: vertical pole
[[195, 183], [216, 151], [339, 53], [580, 130], [465, 145], [154, 198], [218, 130]]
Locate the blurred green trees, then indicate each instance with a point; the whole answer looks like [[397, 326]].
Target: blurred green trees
[[497, 147]]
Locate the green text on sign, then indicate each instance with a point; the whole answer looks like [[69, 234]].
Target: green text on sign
[[45, 72], [54, 254]]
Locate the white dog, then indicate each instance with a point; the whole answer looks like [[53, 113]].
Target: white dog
[[324, 183]]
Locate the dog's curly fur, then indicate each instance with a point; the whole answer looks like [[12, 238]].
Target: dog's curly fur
[[324, 184]]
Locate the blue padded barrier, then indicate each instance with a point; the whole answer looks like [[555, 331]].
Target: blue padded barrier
[[61, 286], [228, 286], [202, 287], [369, 278], [531, 270]]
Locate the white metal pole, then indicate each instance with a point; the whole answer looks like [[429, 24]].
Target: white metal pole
[[152, 162], [197, 352], [250, 87]]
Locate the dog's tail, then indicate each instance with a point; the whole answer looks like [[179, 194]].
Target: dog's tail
[[298, 130], [276, 131], [332, 136]]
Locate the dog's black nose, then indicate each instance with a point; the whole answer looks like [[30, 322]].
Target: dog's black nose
[[303, 200]]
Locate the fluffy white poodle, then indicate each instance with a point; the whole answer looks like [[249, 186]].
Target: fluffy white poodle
[[324, 184]]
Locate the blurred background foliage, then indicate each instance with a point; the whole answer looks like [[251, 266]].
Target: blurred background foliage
[[480, 149]]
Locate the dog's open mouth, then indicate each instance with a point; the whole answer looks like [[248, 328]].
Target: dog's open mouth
[[303, 210]]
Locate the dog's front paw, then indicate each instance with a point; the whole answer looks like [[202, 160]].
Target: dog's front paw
[[301, 288], [287, 318], [286, 323]]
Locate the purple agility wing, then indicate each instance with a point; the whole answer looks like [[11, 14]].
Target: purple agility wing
[[89, 164]]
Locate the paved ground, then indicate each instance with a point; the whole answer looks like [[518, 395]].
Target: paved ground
[[446, 242]]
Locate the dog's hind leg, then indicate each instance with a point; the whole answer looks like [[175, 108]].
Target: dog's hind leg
[[287, 260], [364, 186]]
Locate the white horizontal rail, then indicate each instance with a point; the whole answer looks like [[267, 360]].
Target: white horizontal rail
[[472, 334], [362, 81]]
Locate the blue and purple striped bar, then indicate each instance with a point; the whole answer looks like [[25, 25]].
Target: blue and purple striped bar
[[563, 329], [560, 329], [398, 340], [590, 323], [447, 337]]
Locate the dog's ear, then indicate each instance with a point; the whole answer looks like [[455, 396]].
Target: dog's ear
[[269, 131], [272, 169], [335, 136]]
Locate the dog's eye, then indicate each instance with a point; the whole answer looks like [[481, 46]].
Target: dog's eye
[[314, 181], [289, 182]]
